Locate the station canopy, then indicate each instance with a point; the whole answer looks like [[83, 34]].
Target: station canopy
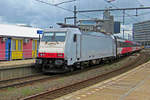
[[7, 30]]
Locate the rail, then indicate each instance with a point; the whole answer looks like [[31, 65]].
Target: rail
[[25, 80], [47, 94]]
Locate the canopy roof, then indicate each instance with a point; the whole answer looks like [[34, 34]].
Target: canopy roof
[[7, 30]]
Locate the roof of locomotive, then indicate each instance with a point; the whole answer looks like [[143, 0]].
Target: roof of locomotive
[[77, 31], [7, 30]]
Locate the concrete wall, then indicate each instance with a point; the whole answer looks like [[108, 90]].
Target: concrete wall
[[17, 72]]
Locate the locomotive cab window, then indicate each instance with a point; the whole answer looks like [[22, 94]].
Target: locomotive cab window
[[54, 36]]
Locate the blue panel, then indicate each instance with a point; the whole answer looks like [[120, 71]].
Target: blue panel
[[116, 27], [8, 49], [39, 32], [37, 47]]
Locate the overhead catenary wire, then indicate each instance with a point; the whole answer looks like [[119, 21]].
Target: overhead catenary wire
[[55, 5], [124, 13], [124, 10], [140, 14], [64, 2], [141, 4]]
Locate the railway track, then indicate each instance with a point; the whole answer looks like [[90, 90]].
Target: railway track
[[16, 82], [60, 91], [24, 80]]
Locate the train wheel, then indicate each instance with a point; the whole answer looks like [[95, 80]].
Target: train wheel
[[90, 63], [71, 68], [81, 67], [77, 65]]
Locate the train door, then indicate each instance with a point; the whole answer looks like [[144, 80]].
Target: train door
[[17, 49], [78, 45], [8, 49], [34, 48]]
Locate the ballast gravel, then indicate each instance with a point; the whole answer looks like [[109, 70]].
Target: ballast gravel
[[20, 92]]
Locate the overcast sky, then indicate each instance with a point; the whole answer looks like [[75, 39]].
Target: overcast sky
[[41, 15]]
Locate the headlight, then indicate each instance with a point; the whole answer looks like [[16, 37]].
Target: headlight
[[42, 54], [59, 54]]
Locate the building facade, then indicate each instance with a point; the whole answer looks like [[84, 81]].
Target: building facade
[[18, 42], [141, 33]]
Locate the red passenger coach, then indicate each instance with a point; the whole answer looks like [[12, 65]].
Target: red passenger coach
[[127, 47], [27, 48]]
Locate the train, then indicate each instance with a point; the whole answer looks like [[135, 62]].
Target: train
[[66, 49]]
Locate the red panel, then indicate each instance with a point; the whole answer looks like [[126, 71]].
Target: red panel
[[51, 55], [126, 50], [2, 50], [129, 41], [27, 49]]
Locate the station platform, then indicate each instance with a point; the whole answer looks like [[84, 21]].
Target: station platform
[[132, 85], [16, 69], [6, 64]]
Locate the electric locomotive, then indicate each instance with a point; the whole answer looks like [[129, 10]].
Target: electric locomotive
[[65, 49]]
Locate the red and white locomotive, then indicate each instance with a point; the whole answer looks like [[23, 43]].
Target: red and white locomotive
[[65, 49]]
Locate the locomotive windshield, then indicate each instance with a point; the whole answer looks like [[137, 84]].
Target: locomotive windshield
[[54, 36]]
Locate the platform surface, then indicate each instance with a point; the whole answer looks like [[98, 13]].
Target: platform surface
[[5, 64], [132, 85]]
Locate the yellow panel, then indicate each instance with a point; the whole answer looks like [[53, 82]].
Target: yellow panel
[[34, 52], [35, 44], [35, 48], [17, 55], [21, 45], [16, 45]]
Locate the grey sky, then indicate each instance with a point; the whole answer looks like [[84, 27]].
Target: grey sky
[[41, 15]]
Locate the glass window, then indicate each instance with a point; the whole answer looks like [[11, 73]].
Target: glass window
[[33, 45], [19, 45], [54, 36], [14, 45]]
